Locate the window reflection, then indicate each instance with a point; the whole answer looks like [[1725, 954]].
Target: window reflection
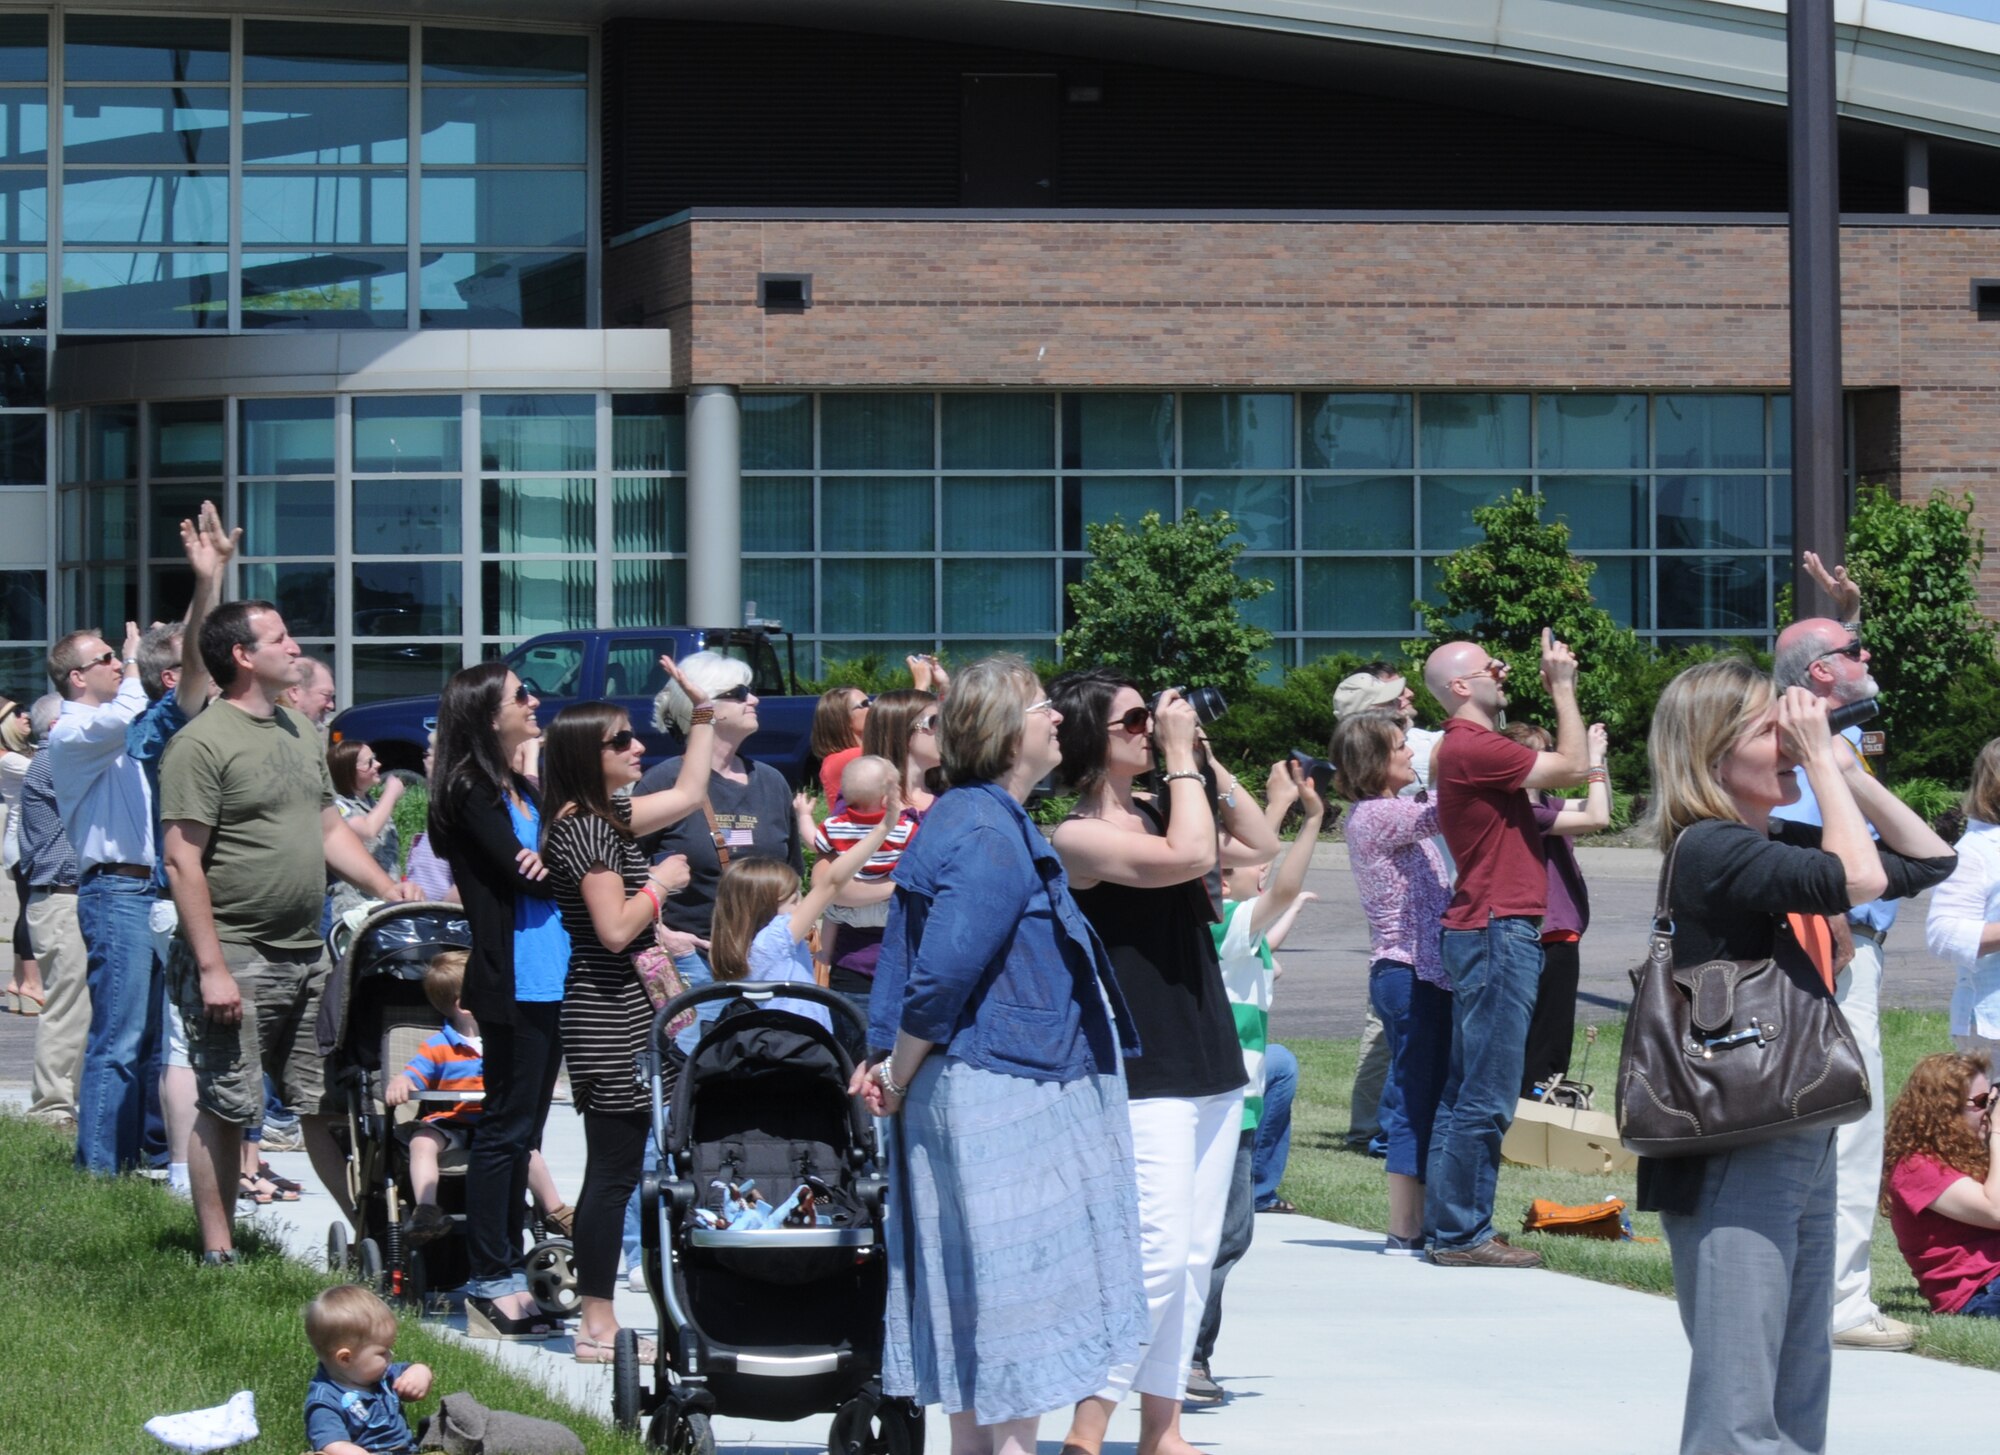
[[466, 124], [133, 291], [325, 290], [507, 209], [326, 126], [163, 207], [145, 48], [324, 207], [145, 125], [301, 50], [406, 517], [502, 290]]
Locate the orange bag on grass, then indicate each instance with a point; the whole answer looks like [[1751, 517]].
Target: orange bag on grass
[[1587, 1220]]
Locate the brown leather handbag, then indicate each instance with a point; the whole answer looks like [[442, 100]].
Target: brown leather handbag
[[1731, 1052]]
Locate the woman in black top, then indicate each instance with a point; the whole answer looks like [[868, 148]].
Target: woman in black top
[[611, 903], [1137, 866], [477, 801], [1752, 1230]]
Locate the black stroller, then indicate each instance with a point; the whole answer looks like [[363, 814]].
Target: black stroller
[[778, 1323], [372, 1021]]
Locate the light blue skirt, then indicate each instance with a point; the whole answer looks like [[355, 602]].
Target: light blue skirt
[[1013, 1242]]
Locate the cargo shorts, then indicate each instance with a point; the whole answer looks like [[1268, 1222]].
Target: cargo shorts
[[281, 992]]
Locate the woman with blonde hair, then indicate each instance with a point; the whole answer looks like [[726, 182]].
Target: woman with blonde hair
[[1963, 926], [1941, 1183], [1752, 1229]]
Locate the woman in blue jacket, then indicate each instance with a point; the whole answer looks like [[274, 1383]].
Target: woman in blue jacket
[[1013, 1239]]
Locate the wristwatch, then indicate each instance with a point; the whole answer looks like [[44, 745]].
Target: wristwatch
[[887, 1082]]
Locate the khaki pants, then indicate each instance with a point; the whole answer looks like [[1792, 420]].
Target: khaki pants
[[64, 1024]]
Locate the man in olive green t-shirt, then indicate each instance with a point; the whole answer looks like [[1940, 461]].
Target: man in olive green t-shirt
[[249, 832]]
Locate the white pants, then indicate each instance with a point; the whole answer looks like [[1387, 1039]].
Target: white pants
[[1185, 1150], [1858, 1147]]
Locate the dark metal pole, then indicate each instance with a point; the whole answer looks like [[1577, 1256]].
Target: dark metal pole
[[1819, 488]]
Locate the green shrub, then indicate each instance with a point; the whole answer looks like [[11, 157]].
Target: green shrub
[[1929, 798], [1943, 746]]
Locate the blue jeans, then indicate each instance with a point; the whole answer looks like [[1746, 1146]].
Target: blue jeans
[[633, 1250], [694, 970], [1984, 1304], [1274, 1130], [1239, 1226], [1416, 1026], [121, 1055], [1494, 973]]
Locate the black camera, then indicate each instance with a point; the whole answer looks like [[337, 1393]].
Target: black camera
[[1317, 769], [1208, 702], [1852, 714]]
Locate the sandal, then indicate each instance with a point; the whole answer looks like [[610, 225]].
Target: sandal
[[560, 1220], [483, 1320], [25, 1002], [605, 1351], [1278, 1205], [283, 1184], [254, 1190]]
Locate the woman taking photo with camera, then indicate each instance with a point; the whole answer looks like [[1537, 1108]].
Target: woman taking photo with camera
[[1941, 1183], [1138, 865], [1752, 1229]]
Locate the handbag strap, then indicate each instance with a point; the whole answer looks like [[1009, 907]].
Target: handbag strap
[[1662, 921], [715, 834]]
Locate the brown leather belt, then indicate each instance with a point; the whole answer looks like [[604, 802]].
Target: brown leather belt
[[123, 871], [51, 889]]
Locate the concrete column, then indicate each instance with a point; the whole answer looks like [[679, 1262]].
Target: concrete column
[[1917, 174], [715, 506]]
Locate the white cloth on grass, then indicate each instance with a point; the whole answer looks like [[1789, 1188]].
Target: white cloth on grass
[[219, 1428]]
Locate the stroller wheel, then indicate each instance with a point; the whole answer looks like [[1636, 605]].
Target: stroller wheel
[[368, 1264], [337, 1248], [625, 1381], [552, 1278], [682, 1432], [867, 1425]]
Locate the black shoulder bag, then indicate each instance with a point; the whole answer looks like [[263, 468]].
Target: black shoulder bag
[[1731, 1052]]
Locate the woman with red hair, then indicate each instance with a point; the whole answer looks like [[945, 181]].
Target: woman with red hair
[[1941, 1183]]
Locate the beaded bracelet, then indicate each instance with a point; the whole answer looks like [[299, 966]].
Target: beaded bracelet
[[703, 714]]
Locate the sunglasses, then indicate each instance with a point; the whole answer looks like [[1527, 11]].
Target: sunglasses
[[927, 725], [862, 706], [1134, 722], [1495, 669], [102, 661], [1982, 1101], [619, 741], [1852, 651], [1047, 704], [734, 694], [522, 696]]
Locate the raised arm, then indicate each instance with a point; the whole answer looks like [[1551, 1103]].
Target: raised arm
[[829, 877], [617, 918], [1802, 730], [209, 550], [1900, 826], [1977, 1203], [1570, 762], [652, 812], [1094, 851], [371, 823], [348, 857], [1250, 837], [1283, 891], [1595, 814]]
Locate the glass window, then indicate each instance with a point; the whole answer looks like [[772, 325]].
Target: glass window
[[24, 612], [538, 431], [1781, 512], [1592, 432], [1118, 431], [414, 436], [24, 125], [1096, 500], [295, 50], [1448, 503], [24, 48], [875, 431], [649, 432], [1781, 431], [504, 209], [326, 126], [649, 513], [113, 434], [999, 596], [1357, 431], [287, 519], [649, 591], [142, 48], [303, 591], [1236, 431], [777, 432], [69, 538], [285, 436], [24, 527], [1710, 431], [24, 286], [777, 515], [1357, 595], [1703, 512], [413, 670], [24, 449], [111, 530], [465, 126], [502, 290], [1261, 507], [504, 55], [998, 431], [108, 593], [145, 124], [405, 517], [406, 599], [525, 598], [549, 669], [1714, 593], [1603, 512], [864, 597], [132, 292], [24, 371], [781, 590], [1273, 611], [24, 208], [1007, 514], [170, 207], [325, 207], [187, 440], [875, 515], [169, 506], [539, 516], [1359, 513], [1621, 585], [1473, 432], [325, 290]]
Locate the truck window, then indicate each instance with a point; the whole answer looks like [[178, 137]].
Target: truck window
[[632, 665], [767, 675], [549, 669]]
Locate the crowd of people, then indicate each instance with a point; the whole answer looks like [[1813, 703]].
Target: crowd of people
[[1072, 1023]]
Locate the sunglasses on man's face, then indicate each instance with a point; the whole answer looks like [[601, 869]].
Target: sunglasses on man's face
[[1852, 651], [105, 660], [1134, 721], [619, 741], [733, 694]]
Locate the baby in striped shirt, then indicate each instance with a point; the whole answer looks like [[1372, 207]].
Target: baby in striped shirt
[[864, 785]]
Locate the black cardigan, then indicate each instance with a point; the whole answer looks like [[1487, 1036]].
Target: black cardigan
[[482, 853]]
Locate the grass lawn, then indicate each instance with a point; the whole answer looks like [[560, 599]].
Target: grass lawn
[[107, 1318], [1327, 1180]]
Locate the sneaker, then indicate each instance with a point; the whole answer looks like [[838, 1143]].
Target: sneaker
[[1493, 1253], [1879, 1332], [1396, 1247], [426, 1224], [1201, 1387], [636, 1279]]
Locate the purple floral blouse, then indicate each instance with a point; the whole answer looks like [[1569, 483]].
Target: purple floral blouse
[[1403, 884]]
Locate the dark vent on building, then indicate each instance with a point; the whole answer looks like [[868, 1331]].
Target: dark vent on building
[[1986, 299], [784, 292]]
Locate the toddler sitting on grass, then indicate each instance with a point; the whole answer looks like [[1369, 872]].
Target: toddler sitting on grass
[[354, 1405]]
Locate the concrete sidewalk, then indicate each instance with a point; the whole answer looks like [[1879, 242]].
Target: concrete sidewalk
[[1328, 1345]]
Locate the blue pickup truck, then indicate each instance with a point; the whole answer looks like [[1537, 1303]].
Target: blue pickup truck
[[622, 666]]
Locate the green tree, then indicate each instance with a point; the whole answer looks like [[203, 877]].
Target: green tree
[[1503, 590], [1159, 604], [1916, 566]]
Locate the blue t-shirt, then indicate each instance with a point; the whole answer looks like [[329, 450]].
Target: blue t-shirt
[[145, 741], [541, 944], [371, 1418], [775, 955]]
